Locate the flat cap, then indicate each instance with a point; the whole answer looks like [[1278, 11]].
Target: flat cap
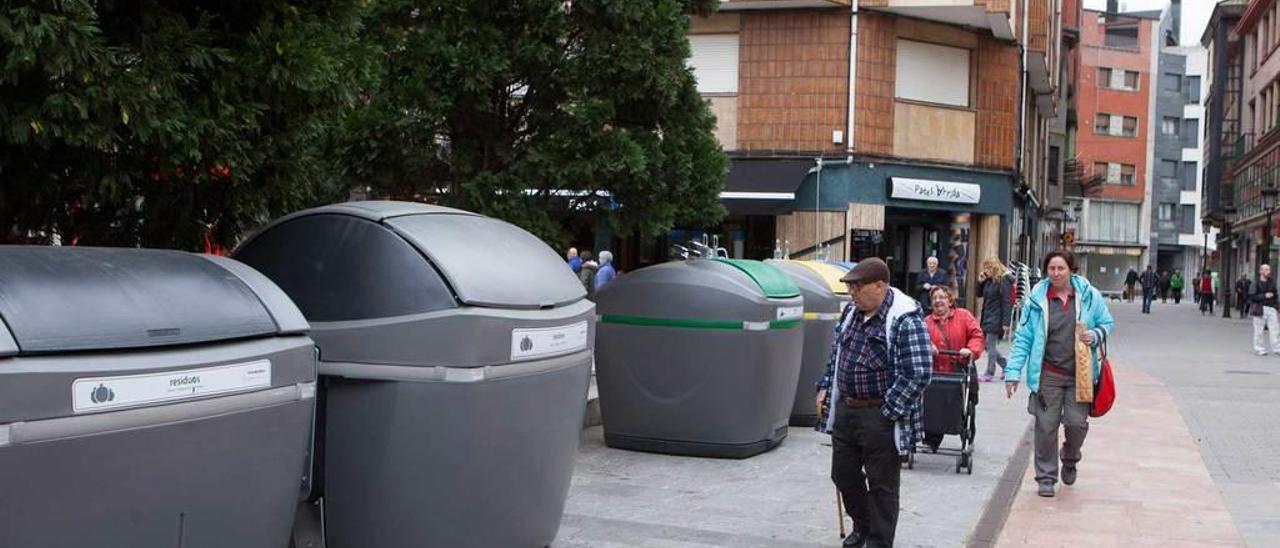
[[872, 269]]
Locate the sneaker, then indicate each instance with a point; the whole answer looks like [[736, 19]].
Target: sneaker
[[1069, 475], [1046, 489], [984, 378], [1257, 353]]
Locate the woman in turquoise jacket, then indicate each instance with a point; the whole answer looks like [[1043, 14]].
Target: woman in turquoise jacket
[[1043, 356]]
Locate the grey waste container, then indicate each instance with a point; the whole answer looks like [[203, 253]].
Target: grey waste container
[[824, 298], [699, 357], [148, 398], [455, 354]]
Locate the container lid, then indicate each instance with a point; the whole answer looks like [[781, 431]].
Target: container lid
[[830, 274], [773, 282], [60, 299], [489, 262]]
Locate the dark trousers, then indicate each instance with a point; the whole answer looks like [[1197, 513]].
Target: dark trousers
[[1206, 303], [1148, 295], [1177, 296], [866, 469]]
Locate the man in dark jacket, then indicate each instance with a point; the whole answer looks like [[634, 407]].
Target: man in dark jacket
[[997, 312], [1165, 280], [1263, 304], [1130, 280], [1150, 282], [930, 277]]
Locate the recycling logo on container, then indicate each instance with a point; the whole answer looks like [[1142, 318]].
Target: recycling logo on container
[[102, 394]]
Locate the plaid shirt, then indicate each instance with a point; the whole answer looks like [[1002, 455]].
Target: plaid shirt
[[870, 368]]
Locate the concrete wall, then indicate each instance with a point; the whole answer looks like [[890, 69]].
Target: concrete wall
[[1168, 148]]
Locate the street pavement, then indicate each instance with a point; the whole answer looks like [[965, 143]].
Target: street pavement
[[783, 498], [1228, 399]]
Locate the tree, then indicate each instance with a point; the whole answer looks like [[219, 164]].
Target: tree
[[169, 124], [530, 110]]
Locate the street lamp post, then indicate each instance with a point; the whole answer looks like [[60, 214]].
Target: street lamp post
[[1269, 204], [1205, 225], [1228, 216]]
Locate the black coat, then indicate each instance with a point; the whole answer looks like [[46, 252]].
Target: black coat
[[938, 278], [1258, 292], [997, 305]]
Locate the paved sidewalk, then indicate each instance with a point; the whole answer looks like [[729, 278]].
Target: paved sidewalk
[[1142, 482], [783, 498]]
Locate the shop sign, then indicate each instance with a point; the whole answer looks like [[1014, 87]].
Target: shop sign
[[935, 191]]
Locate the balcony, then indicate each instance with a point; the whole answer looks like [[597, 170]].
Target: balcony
[[983, 14], [743, 5]]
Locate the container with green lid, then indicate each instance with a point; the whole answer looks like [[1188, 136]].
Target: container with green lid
[[699, 357]]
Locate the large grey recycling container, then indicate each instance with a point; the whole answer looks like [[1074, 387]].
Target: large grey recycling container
[[148, 398], [824, 298], [699, 357], [455, 354]]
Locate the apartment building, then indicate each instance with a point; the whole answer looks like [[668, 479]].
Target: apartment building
[[1244, 102], [907, 128], [1118, 58], [1177, 240], [1225, 143]]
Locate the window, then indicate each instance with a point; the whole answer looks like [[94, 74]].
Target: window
[[1102, 123], [1130, 127], [1168, 169], [1101, 168], [1131, 79], [1189, 170], [1187, 219], [1190, 133], [932, 73], [714, 59], [1170, 82], [1193, 89], [1111, 222], [1127, 172], [1104, 77], [1053, 164], [1169, 125], [1122, 35], [1166, 212]]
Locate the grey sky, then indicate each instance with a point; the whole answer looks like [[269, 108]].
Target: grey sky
[[1195, 14]]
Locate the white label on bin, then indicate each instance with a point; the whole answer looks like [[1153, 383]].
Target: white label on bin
[[546, 341], [790, 312], [99, 393]]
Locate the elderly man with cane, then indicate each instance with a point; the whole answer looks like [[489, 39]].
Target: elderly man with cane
[[869, 399]]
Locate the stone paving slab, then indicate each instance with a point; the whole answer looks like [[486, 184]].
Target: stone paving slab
[[783, 498], [1141, 483]]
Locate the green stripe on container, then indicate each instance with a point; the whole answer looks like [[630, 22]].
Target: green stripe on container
[[689, 323]]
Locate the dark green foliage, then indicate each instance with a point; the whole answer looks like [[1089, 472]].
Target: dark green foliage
[[493, 105], [163, 123], [157, 123]]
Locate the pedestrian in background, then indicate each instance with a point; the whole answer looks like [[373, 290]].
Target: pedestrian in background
[[881, 361], [1063, 309], [1242, 295], [1129, 280], [928, 279], [587, 273], [951, 329], [1262, 306], [575, 262], [1175, 286], [997, 312], [1164, 286], [1149, 281], [1207, 296], [606, 273]]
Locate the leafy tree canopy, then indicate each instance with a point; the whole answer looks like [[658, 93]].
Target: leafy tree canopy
[[174, 124]]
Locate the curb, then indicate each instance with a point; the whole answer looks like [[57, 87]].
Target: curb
[[994, 516]]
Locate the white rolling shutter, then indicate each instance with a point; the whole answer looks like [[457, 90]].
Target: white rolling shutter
[[714, 59]]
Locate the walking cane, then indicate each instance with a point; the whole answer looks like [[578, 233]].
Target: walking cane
[[840, 511]]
